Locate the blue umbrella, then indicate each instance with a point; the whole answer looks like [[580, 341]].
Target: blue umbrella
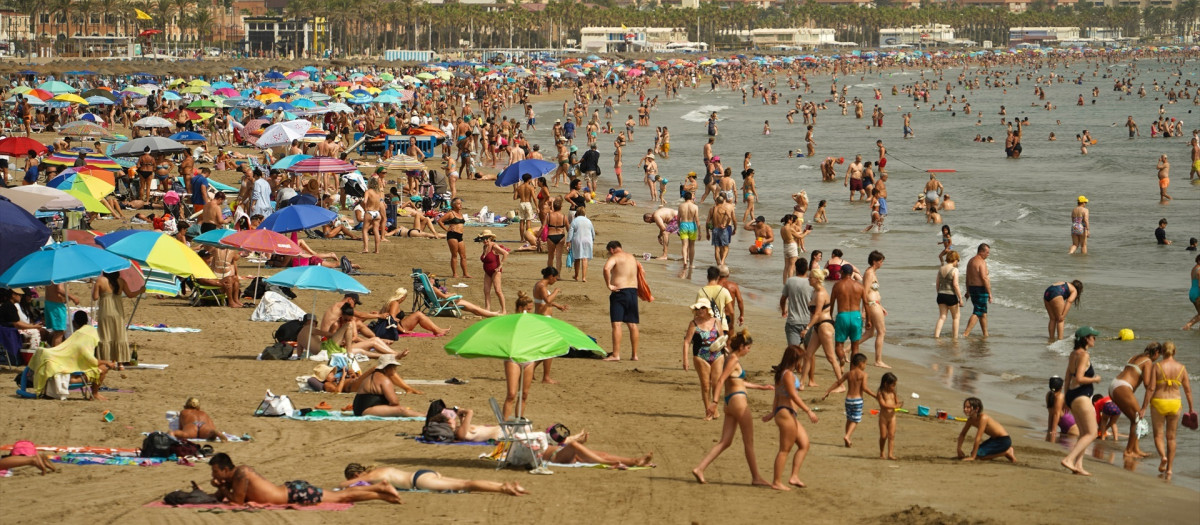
[[108, 239], [297, 217], [289, 161], [274, 75], [213, 237], [317, 278], [22, 233], [513, 173], [276, 106], [59, 263], [187, 136]]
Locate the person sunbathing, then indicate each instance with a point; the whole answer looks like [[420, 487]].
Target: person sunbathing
[[348, 334], [335, 380], [241, 485], [460, 421], [571, 449], [422, 479], [464, 304], [376, 395], [37, 459], [195, 423], [393, 310]]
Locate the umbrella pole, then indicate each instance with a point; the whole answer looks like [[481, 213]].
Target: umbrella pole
[[135, 307]]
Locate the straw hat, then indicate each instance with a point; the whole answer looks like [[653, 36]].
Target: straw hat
[[701, 305], [487, 234], [322, 371], [386, 360]]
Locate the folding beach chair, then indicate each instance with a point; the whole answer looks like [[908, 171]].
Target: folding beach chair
[[78, 382], [521, 447], [425, 300], [208, 293]]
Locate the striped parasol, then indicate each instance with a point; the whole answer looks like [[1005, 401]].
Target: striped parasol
[[404, 163], [82, 128], [94, 160]]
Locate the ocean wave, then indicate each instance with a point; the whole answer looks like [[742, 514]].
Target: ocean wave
[[701, 113], [803, 167], [1008, 303]]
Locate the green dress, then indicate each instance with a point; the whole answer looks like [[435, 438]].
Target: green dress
[[110, 321]]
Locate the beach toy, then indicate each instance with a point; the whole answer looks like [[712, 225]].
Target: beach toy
[[902, 410], [841, 160], [922, 410], [874, 412], [963, 419], [108, 416], [942, 415], [1125, 334]]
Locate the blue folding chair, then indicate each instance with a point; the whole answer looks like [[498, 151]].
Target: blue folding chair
[[425, 300]]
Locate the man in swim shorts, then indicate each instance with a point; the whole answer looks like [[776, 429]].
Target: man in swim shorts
[[1164, 178], [667, 221], [56, 311], [722, 221], [847, 301], [524, 192], [979, 288], [620, 275], [241, 485], [689, 215]]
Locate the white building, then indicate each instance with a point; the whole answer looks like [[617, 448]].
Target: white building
[[1041, 35], [917, 35], [791, 38], [629, 39]]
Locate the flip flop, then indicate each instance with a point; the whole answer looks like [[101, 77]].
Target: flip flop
[[456, 381]]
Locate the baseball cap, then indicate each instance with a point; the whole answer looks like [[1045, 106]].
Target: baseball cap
[[1083, 199], [1085, 331]]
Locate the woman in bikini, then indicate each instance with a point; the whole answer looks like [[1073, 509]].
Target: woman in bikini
[[493, 257], [702, 331], [1058, 299], [1167, 377], [791, 432], [948, 294], [394, 316], [749, 192], [737, 408], [876, 313], [820, 329], [452, 221], [556, 233], [195, 423], [1081, 380], [1122, 390]]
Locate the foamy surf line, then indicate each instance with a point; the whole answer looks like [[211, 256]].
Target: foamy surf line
[[701, 113]]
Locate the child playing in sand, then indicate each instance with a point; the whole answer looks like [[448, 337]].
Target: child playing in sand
[[888, 403], [856, 386], [998, 443]]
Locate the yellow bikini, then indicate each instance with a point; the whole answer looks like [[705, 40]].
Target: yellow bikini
[[1167, 407]]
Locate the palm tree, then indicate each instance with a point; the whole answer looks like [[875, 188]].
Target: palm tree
[[181, 7], [202, 21]]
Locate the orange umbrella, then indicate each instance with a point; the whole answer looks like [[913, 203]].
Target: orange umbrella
[[104, 175]]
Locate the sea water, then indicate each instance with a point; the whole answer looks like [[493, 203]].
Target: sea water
[[1020, 207]]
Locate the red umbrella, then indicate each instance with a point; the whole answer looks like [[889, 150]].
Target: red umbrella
[[20, 146], [191, 115], [322, 165], [264, 241], [149, 33]]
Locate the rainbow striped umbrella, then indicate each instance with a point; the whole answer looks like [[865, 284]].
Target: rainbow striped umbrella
[[94, 160], [157, 250]]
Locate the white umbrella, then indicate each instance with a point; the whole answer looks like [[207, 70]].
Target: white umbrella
[[153, 122], [34, 198], [283, 133]]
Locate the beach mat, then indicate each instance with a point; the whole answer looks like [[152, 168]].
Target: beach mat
[[79, 450], [168, 329], [102, 459], [346, 416], [253, 506], [422, 441], [229, 438]]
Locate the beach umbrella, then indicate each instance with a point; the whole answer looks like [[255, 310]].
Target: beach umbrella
[[34, 198], [103, 93], [71, 98], [92, 160], [283, 133], [213, 237], [23, 234], [187, 136], [20, 146], [60, 263], [318, 278], [262, 241], [513, 173], [297, 217], [29, 99], [156, 250], [102, 174], [81, 182], [82, 128], [403, 162], [289, 161], [153, 122], [280, 106], [202, 104], [521, 338], [162, 145], [57, 87], [322, 165]]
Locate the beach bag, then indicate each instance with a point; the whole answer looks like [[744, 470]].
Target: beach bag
[[386, 328], [193, 497], [277, 352], [157, 445], [289, 332], [347, 267], [436, 432], [275, 406], [184, 448]]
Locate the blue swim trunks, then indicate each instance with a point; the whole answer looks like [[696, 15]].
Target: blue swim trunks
[[994, 445], [854, 406], [56, 316], [882, 207], [847, 325], [979, 299], [687, 231], [721, 237]]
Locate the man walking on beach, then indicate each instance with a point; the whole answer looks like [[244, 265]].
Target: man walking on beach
[[689, 217], [735, 291], [979, 288], [793, 303], [620, 275], [847, 301], [589, 164], [723, 220], [524, 192]]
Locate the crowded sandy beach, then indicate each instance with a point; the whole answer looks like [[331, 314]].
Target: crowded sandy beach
[[939, 358]]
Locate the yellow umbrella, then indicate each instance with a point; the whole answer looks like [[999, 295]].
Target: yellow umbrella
[[198, 83], [70, 97], [90, 203], [192, 90], [176, 82], [87, 184], [203, 117]]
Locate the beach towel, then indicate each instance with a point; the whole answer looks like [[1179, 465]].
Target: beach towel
[[132, 452], [643, 288], [104, 459], [75, 354], [163, 328], [253, 506], [600, 466], [229, 438], [275, 307], [146, 366], [417, 334], [349, 416], [486, 224], [422, 441]]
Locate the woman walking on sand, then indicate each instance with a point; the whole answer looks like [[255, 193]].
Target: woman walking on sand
[[1167, 377], [702, 331], [791, 432], [875, 310], [1081, 380], [452, 221], [737, 408]]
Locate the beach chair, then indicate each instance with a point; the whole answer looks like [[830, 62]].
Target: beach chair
[[425, 300], [25, 385], [522, 448], [206, 293]]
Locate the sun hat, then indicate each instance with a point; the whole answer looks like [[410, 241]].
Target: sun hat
[[701, 304], [18, 291], [1082, 199], [486, 234], [716, 158], [1085, 331], [387, 360], [691, 174], [322, 371]]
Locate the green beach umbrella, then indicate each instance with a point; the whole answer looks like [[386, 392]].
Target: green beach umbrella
[[523, 338]]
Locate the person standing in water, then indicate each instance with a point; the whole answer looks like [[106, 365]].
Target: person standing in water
[[1081, 227], [1164, 178]]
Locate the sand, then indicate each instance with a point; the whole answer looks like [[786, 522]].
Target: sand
[[629, 408]]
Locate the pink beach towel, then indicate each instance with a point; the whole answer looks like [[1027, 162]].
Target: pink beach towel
[[255, 506], [417, 334]]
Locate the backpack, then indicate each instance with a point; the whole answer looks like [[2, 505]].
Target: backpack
[[157, 445], [436, 432], [348, 268], [277, 352], [193, 497], [289, 332], [386, 328], [185, 448]]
